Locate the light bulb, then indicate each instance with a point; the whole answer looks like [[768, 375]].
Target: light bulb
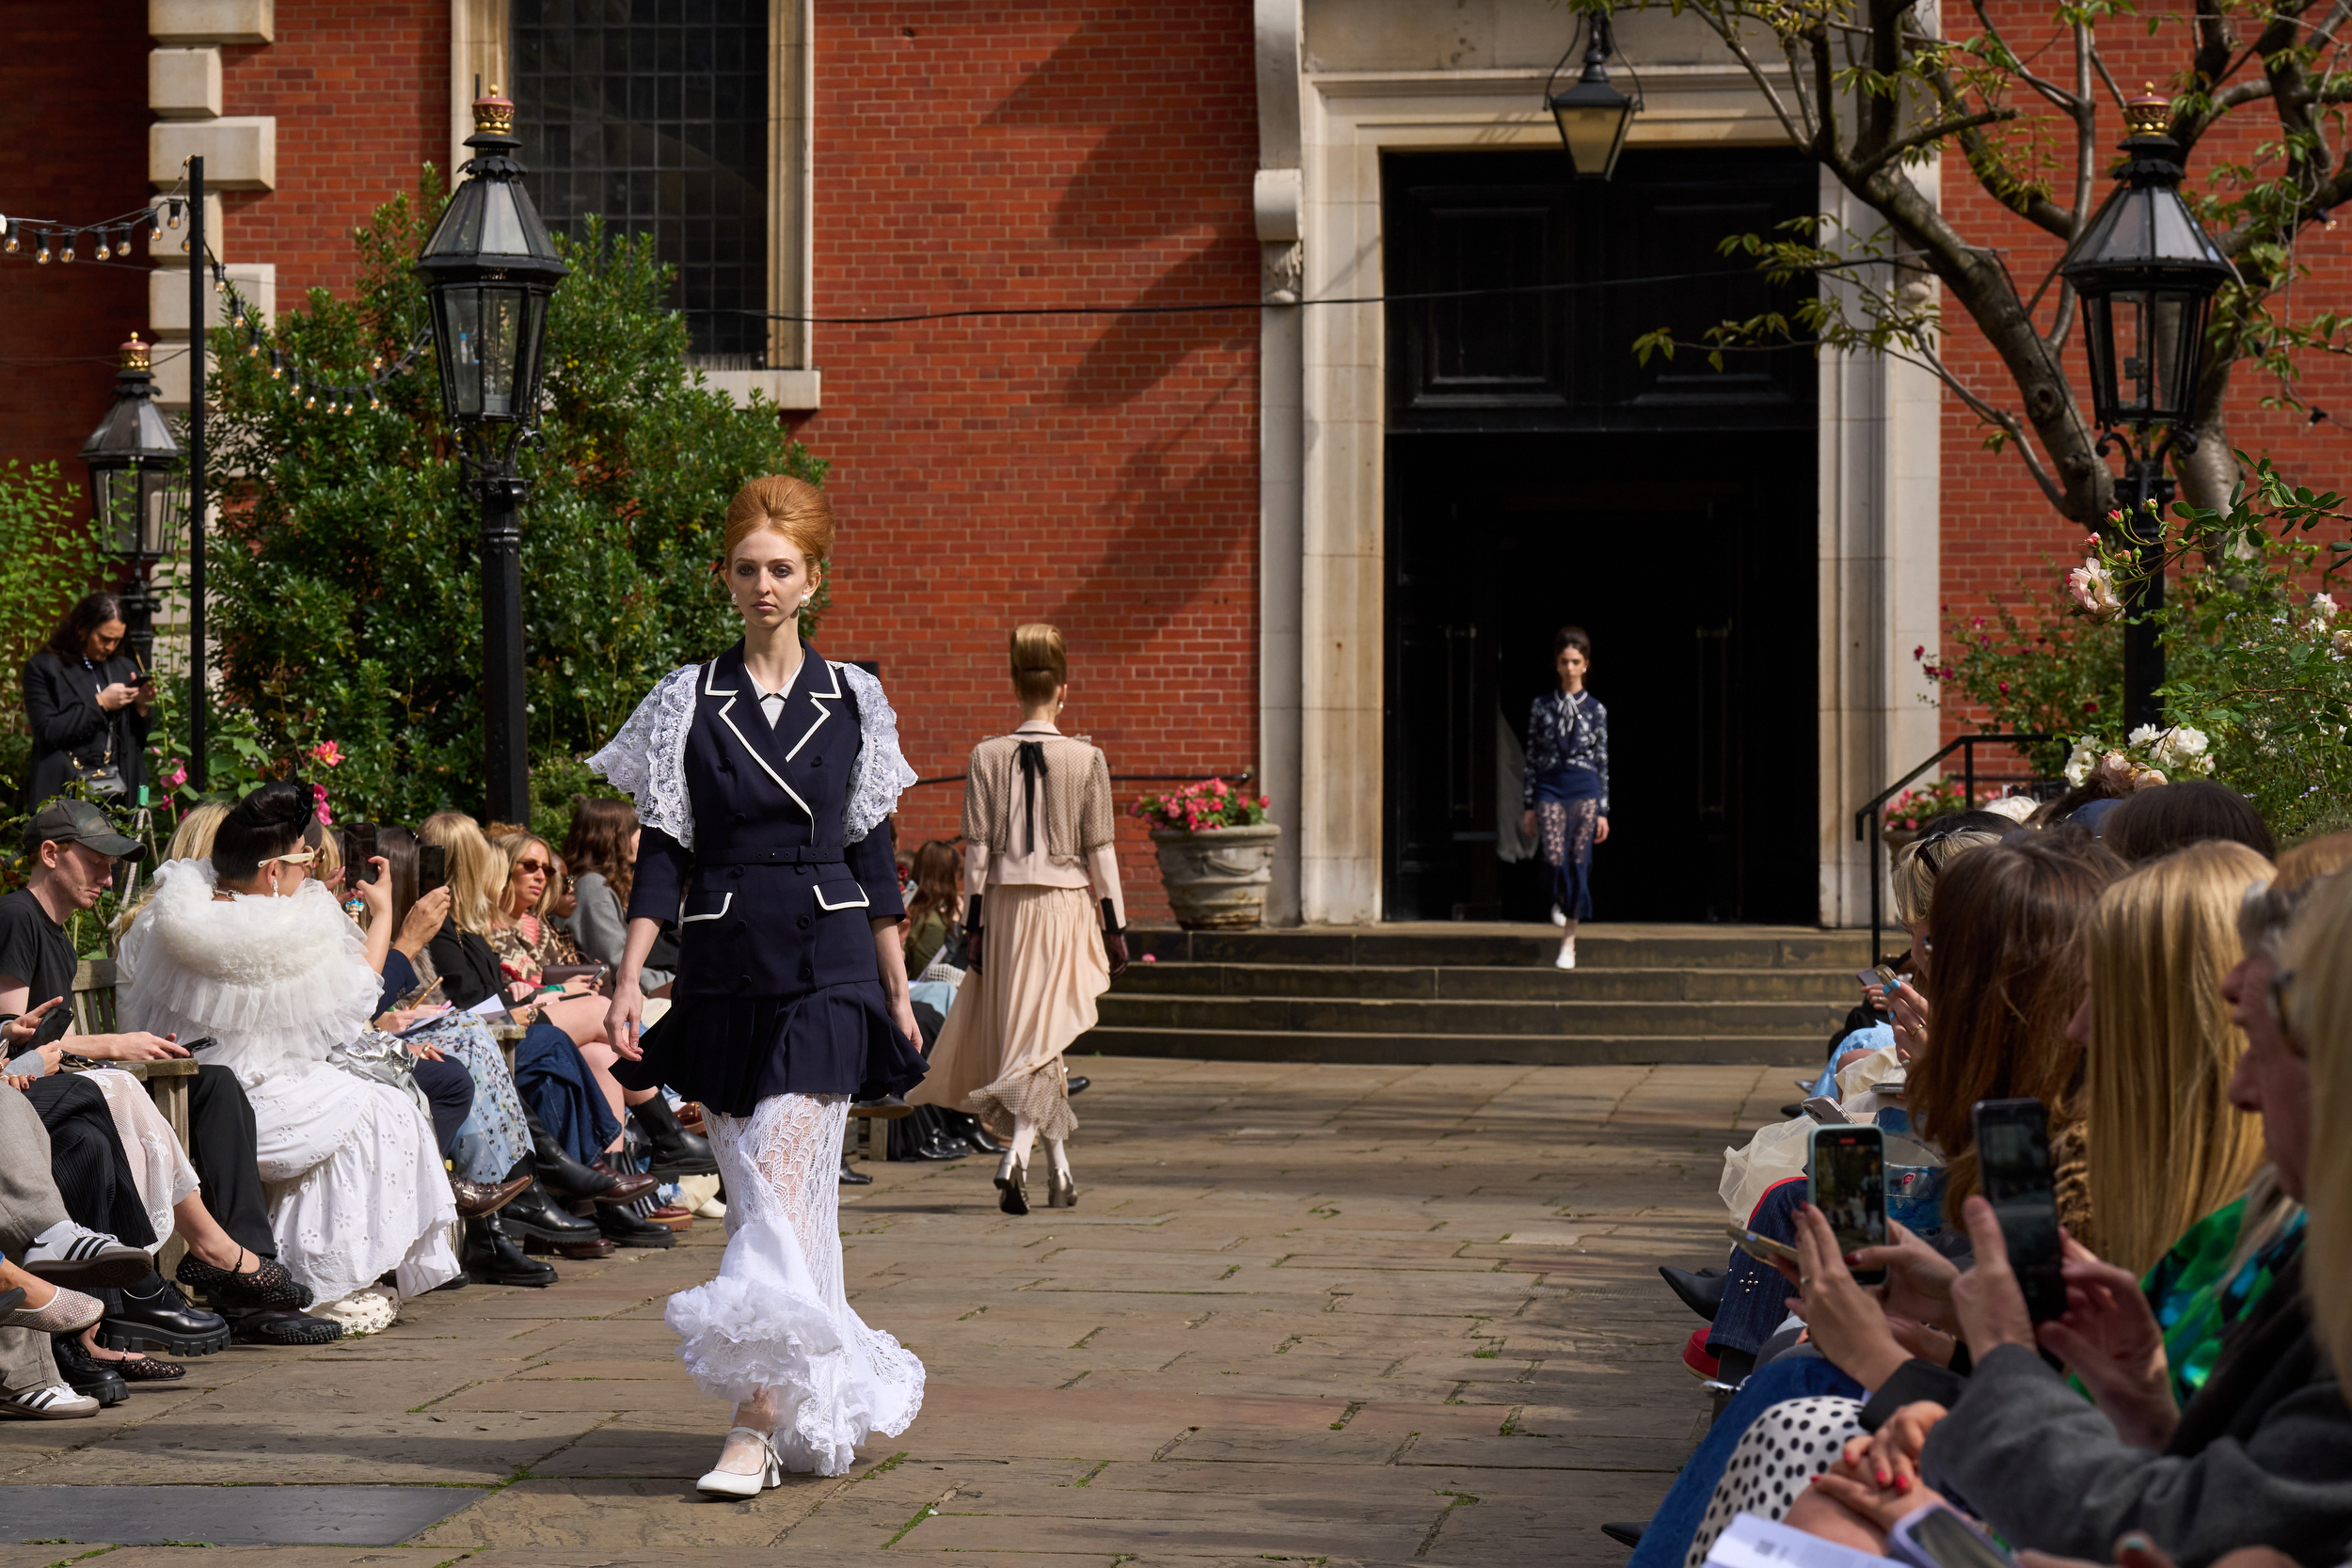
[[43, 257], [277, 365], [11, 242], [154, 225], [104, 251], [67, 254], [175, 215]]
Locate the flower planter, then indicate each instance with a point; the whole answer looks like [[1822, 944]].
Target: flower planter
[[1216, 878]]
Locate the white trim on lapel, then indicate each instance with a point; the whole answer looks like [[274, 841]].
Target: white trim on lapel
[[819, 700], [710, 673], [731, 694]]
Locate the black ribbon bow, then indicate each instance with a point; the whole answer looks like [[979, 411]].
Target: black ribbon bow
[[1033, 769]]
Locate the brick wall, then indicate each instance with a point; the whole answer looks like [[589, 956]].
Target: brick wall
[[1097, 473], [73, 109], [360, 90], [1995, 521]]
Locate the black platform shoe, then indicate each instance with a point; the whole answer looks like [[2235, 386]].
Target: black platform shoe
[[623, 1229], [539, 1217], [1702, 1292], [1078, 1083], [156, 1316], [671, 1151], [85, 1372], [854, 1177], [964, 1125], [566, 1177], [491, 1257]]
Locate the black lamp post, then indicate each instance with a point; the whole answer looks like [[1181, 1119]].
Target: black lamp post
[[1593, 116], [2147, 274], [138, 487], [489, 270]]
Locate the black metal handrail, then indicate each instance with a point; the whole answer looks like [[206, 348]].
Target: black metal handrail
[[1870, 820]]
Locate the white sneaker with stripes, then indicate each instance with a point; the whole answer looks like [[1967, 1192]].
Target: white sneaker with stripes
[[70, 1254], [55, 1403]]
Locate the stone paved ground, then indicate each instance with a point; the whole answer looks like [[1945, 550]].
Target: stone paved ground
[[1339, 1314]]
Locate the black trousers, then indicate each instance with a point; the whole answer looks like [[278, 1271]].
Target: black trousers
[[449, 1088], [86, 1159], [223, 1146]]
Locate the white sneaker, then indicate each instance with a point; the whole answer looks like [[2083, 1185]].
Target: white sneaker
[[1567, 955], [726, 1483], [68, 1254], [55, 1403], [1559, 917]]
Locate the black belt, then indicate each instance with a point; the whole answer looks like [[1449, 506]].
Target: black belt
[[813, 855]]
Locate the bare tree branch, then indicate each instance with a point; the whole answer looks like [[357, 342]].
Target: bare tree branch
[[1929, 137]]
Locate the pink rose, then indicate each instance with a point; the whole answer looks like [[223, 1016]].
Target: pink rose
[[328, 753], [318, 793]]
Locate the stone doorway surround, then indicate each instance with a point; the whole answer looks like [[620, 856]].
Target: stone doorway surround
[[1340, 81]]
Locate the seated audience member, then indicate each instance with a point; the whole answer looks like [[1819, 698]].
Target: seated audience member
[[217, 1203], [2313, 858], [2152, 822], [601, 852], [46, 1248], [935, 905], [562, 1065], [525, 939], [245, 949], [2262, 1454]]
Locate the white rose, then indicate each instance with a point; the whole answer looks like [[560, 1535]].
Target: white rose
[[2183, 749], [2080, 761], [2093, 587], [2324, 606], [2144, 736]]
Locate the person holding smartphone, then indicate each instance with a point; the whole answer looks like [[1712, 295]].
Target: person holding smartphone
[[90, 707]]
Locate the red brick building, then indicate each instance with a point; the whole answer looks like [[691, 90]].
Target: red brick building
[[1325, 543]]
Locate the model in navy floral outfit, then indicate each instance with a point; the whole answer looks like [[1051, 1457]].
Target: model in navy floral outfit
[[1566, 793]]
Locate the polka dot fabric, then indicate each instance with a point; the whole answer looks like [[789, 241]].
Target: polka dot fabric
[[1786, 1447]]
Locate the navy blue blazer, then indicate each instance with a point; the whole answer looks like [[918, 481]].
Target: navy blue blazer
[[777, 989]]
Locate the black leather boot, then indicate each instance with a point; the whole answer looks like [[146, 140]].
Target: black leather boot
[[623, 1229], [492, 1258], [537, 1215], [1702, 1292], [964, 1125], [671, 1151], [568, 1178]]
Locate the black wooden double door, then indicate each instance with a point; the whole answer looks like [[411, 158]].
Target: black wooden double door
[[1539, 476]]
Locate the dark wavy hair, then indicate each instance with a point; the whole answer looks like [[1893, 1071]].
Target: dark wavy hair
[[267, 823], [90, 613], [2154, 823], [599, 842]]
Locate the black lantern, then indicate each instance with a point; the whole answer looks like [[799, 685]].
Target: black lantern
[[1593, 116], [2147, 273], [489, 269], [138, 487]]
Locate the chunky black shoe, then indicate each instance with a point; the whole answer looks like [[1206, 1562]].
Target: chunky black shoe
[[85, 1372], [1076, 1083], [623, 1229], [162, 1319], [1702, 1292], [854, 1177], [278, 1326], [539, 1217], [492, 1258], [266, 1284], [671, 1151], [964, 1125]]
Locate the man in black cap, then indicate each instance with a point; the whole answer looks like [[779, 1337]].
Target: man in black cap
[[72, 847]]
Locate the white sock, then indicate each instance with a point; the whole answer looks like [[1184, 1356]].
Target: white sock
[[1024, 1140], [1058, 1156]]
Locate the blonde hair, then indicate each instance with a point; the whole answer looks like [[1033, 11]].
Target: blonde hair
[[781, 504], [512, 846], [1040, 661], [2167, 1146], [2319, 954], [476, 871], [1922, 860], [2314, 858], [190, 841]]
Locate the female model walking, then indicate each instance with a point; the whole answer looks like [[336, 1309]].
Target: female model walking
[[759, 780], [1566, 793], [1038, 867]]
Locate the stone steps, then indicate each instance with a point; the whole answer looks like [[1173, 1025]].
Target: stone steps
[[1471, 993]]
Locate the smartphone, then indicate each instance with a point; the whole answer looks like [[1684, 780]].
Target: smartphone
[[1879, 976], [1822, 1108], [1762, 1248], [1847, 1166], [364, 836], [1935, 1537], [431, 867], [2014, 1172]]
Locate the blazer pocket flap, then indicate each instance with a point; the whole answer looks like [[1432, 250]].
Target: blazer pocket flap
[[704, 905], [842, 892]]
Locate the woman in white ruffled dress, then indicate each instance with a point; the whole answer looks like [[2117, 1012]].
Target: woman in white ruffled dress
[[759, 780], [245, 950]]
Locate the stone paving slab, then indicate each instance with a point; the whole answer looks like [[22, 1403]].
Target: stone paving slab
[[1368, 1317]]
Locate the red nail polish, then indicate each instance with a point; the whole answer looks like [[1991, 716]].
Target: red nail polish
[[1903, 1483], [1882, 1475]]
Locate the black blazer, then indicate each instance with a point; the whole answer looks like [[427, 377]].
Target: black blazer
[[469, 970], [61, 706]]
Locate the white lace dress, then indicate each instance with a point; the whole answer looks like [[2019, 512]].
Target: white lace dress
[[350, 1168], [778, 1316]]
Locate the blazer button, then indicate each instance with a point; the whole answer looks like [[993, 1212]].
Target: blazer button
[[799, 870], [739, 819], [742, 982], [817, 761], [736, 874], [808, 971], [803, 923]]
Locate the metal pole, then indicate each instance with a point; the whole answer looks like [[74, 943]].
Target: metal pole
[[2143, 649], [198, 747], [506, 739]]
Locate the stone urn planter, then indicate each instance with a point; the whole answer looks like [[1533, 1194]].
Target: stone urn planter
[[1216, 878]]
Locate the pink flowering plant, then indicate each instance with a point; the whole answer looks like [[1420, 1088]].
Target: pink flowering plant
[[1201, 808], [1915, 808], [2049, 668]]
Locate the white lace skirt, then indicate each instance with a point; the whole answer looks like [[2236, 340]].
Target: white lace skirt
[[355, 1182], [777, 1316], [161, 1170]]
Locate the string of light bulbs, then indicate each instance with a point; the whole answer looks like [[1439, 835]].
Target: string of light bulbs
[[307, 382], [55, 240]]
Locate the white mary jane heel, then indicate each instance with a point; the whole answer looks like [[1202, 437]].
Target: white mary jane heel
[[726, 1483]]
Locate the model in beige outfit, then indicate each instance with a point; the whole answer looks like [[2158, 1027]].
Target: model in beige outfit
[[1046, 921]]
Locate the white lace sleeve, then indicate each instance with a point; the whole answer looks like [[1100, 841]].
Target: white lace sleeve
[[646, 761], [881, 770]]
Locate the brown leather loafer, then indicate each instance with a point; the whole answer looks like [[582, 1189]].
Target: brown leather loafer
[[477, 1198], [675, 1216], [579, 1251], [626, 1188]]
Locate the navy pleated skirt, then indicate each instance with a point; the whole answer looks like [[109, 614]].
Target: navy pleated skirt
[[731, 1052]]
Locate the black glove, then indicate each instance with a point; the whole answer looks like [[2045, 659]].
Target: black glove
[[972, 932]]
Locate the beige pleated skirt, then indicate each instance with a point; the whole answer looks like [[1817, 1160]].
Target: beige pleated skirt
[[1000, 1055]]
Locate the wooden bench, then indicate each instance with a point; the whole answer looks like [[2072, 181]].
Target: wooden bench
[[169, 1080]]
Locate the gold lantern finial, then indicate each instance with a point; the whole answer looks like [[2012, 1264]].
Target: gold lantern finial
[[2149, 114], [493, 115], [134, 354]]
